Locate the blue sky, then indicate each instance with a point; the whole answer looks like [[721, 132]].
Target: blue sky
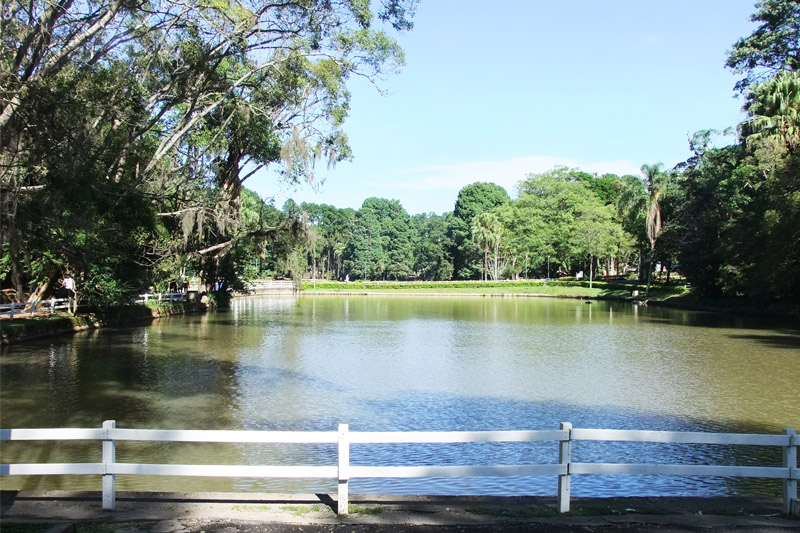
[[493, 91]]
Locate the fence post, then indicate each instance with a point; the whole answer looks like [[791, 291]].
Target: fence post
[[344, 470], [33, 308], [52, 305], [11, 316], [109, 457], [564, 458], [790, 462]]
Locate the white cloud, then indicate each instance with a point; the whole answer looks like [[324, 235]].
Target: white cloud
[[507, 173]]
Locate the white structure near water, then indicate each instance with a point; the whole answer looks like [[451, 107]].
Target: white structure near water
[[344, 471]]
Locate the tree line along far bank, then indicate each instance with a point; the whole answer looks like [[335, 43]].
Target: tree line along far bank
[[128, 132]]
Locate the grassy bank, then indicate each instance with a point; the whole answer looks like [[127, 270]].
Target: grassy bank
[[677, 296], [565, 289]]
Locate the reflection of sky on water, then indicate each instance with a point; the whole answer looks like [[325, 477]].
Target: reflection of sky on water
[[397, 363]]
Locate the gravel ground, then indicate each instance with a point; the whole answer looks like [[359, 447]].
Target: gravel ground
[[39, 512]]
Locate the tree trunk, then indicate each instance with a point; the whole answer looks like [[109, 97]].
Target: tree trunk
[[641, 266], [229, 180], [45, 290]]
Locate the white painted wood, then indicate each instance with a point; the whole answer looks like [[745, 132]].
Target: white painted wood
[[243, 471], [400, 437], [679, 470], [343, 493], [455, 471], [52, 434], [51, 469], [344, 471], [790, 462], [564, 459], [683, 437], [256, 437], [109, 458], [10, 309]]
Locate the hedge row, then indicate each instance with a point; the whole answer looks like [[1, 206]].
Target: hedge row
[[359, 285]]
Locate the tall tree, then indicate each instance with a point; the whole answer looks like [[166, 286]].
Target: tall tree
[[718, 221], [562, 220], [382, 242], [169, 102], [472, 200], [773, 47], [772, 135], [432, 259], [487, 233], [774, 109], [654, 176]]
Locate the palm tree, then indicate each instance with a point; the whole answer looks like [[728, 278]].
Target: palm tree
[[639, 204], [656, 180], [632, 207], [487, 232], [775, 110]]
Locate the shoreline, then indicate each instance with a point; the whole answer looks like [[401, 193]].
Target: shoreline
[[25, 329], [42, 327], [669, 302]]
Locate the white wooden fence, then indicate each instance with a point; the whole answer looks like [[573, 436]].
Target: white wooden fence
[[20, 308], [161, 297], [343, 471], [17, 309], [267, 286]]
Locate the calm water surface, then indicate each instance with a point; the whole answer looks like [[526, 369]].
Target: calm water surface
[[412, 363]]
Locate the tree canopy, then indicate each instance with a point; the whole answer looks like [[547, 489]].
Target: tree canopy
[[773, 47], [161, 111]]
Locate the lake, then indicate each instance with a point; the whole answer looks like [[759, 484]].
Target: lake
[[413, 363]]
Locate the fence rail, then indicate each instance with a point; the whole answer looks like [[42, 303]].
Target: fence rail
[[161, 297], [343, 471], [268, 285], [52, 305]]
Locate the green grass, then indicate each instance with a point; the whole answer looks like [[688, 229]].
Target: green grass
[[567, 289], [364, 510], [301, 510], [251, 508]]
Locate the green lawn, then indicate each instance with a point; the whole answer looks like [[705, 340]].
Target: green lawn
[[569, 289]]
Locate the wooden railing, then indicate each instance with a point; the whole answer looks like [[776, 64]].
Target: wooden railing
[[270, 285], [344, 471], [161, 297], [49, 306], [16, 309]]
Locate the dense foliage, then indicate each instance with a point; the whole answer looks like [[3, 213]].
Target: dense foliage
[[129, 130]]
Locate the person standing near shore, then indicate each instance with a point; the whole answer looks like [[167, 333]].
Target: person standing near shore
[[69, 284]]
